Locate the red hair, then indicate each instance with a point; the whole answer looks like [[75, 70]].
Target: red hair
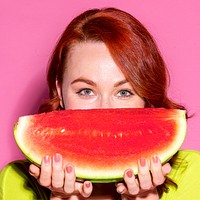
[[131, 47]]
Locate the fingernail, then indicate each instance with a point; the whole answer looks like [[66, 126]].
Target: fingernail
[[120, 190], [46, 160], [155, 159], [57, 158], [87, 184], [129, 173], [169, 169], [142, 162], [69, 169]]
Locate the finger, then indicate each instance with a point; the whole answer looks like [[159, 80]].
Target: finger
[[156, 170], [121, 188], [34, 171], [46, 170], [144, 175], [70, 178], [57, 172], [86, 189], [166, 169], [131, 183]]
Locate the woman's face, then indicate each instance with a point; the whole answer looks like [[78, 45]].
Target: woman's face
[[93, 80]]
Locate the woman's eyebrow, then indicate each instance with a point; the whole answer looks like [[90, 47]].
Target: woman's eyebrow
[[120, 83], [87, 81]]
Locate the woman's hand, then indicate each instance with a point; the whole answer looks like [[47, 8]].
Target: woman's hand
[[144, 186], [61, 180]]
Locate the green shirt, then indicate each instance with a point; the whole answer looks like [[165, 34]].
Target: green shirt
[[17, 184], [186, 174]]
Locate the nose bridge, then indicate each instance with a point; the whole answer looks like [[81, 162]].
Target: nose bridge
[[105, 102]]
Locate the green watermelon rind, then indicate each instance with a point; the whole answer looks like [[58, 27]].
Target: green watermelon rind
[[106, 179]]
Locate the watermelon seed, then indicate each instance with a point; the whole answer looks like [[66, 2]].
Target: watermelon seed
[[63, 130]]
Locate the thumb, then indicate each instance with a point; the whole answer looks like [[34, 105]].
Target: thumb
[[34, 171], [86, 189]]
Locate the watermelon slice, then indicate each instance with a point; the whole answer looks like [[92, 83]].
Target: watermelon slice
[[102, 143]]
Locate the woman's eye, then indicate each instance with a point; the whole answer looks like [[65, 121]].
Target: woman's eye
[[124, 93], [85, 92]]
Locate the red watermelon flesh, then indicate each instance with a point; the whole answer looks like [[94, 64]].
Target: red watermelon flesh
[[102, 143]]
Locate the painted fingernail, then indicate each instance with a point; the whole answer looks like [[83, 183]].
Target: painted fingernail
[[142, 162], [46, 160], [155, 159], [87, 184], [69, 169], [129, 173], [57, 158]]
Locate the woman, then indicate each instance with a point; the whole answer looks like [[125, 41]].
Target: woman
[[107, 59]]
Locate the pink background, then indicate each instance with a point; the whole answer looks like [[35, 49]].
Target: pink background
[[29, 30]]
